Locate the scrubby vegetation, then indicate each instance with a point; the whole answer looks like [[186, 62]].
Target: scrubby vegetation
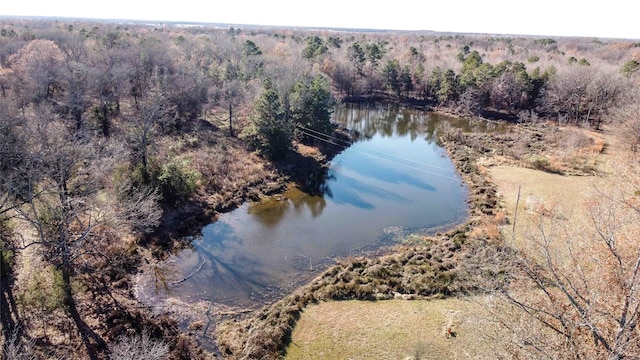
[[116, 140]]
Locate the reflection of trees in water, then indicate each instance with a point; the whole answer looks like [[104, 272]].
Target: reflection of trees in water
[[163, 275], [390, 120], [217, 270], [385, 121], [237, 275], [315, 203], [270, 212]]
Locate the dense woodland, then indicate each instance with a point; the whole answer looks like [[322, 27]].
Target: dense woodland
[[108, 129]]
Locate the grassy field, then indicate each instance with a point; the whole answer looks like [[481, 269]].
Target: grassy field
[[392, 329], [540, 193]]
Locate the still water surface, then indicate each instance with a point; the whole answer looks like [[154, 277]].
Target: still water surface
[[393, 181]]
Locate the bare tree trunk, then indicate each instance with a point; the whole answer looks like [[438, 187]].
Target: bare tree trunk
[[85, 331], [230, 119], [8, 307]]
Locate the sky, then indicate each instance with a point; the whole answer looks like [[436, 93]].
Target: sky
[[594, 18]]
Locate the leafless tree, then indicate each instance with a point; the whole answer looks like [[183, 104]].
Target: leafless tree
[[581, 95], [139, 347], [152, 115], [506, 92], [12, 158], [64, 208], [137, 208], [577, 294], [75, 100], [36, 69], [108, 77], [65, 213], [16, 348], [231, 95], [626, 121]]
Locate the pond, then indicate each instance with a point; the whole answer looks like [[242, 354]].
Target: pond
[[393, 181]]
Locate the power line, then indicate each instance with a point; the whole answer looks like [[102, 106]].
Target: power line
[[325, 140], [386, 159], [414, 167], [406, 159], [306, 130], [362, 147]]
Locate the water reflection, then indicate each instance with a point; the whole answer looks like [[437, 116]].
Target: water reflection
[[270, 211], [351, 188], [394, 180], [391, 120], [383, 169]]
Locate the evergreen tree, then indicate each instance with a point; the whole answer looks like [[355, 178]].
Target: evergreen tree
[[271, 133], [391, 77], [311, 104], [315, 48]]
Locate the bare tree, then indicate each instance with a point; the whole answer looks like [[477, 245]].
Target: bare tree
[[506, 91], [66, 213], [152, 115], [137, 208], [64, 208], [626, 121], [581, 95], [578, 291], [109, 73], [75, 101], [231, 95], [139, 347], [36, 70], [13, 168], [15, 348]]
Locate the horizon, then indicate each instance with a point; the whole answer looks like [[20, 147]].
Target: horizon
[[546, 18], [270, 26]]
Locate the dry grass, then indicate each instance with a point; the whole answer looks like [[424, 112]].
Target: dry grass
[[545, 195], [393, 329], [540, 193]]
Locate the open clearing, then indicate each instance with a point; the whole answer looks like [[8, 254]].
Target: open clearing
[[391, 329], [541, 193]]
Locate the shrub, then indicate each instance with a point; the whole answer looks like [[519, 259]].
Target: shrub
[[630, 67], [178, 179], [139, 347], [43, 290], [539, 162]]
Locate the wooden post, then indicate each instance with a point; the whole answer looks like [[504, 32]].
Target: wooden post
[[515, 217]]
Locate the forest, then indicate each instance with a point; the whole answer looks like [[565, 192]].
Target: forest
[[118, 139]]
